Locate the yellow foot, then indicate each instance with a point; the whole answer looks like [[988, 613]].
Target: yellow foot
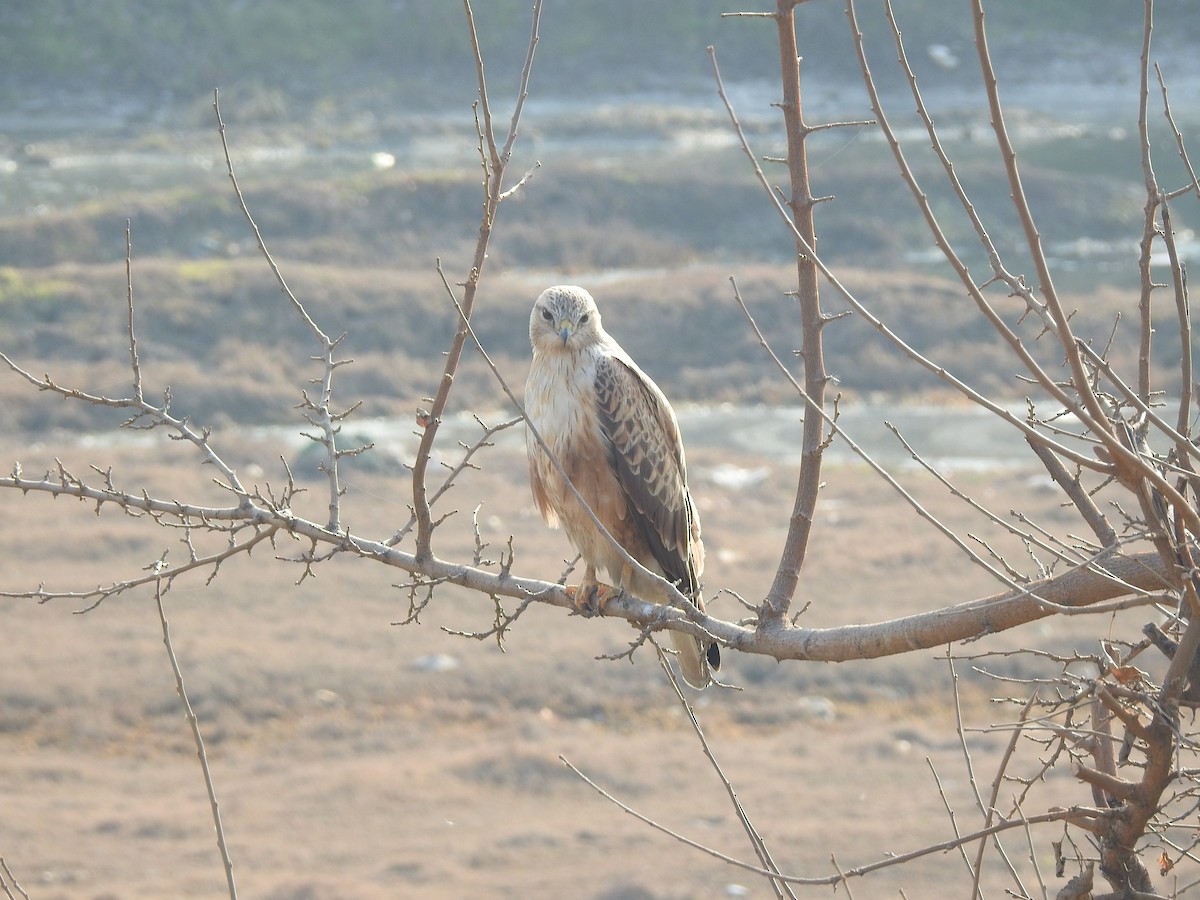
[[590, 598]]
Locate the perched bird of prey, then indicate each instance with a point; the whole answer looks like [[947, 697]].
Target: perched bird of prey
[[616, 437]]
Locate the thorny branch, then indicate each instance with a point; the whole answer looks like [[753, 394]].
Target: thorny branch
[[1122, 733], [1119, 442], [198, 738], [495, 165], [9, 882], [318, 408]]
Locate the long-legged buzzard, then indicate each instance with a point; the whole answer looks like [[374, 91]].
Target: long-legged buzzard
[[616, 437]]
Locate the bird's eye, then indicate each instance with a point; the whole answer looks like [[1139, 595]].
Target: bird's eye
[[546, 315], [583, 318]]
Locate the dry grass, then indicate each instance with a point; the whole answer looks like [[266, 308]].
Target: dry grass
[[348, 769]]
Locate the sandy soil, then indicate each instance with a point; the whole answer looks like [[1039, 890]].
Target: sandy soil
[[357, 758]]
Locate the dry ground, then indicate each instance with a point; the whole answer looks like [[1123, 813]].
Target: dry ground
[[348, 766]]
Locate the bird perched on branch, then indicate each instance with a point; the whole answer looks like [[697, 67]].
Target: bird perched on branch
[[616, 438]]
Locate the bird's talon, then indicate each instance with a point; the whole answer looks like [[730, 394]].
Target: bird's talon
[[591, 599]]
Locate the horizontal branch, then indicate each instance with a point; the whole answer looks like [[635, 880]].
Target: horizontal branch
[[1086, 585], [1076, 588]]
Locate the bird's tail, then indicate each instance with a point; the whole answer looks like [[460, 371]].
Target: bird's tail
[[697, 660]]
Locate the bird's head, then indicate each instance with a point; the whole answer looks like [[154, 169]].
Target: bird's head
[[564, 320]]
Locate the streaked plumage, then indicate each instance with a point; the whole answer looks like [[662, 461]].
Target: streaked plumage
[[615, 435]]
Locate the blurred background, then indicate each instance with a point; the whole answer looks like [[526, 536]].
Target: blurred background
[[352, 131]]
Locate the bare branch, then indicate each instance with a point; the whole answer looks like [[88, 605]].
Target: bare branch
[[1194, 182], [133, 354], [194, 722], [495, 167], [911, 353], [1078, 495], [1096, 416], [9, 882], [756, 841], [989, 808], [141, 410]]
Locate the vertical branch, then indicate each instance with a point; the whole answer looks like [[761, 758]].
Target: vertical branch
[[1183, 313], [801, 203], [198, 738], [1119, 863], [1179, 286], [1132, 470], [1033, 239], [989, 809], [781, 888], [1156, 206], [319, 412], [1150, 214], [495, 163], [133, 354]]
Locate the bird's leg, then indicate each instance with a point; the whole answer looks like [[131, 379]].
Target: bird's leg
[[591, 596], [626, 580]]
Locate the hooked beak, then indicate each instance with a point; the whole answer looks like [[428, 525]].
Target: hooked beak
[[566, 329]]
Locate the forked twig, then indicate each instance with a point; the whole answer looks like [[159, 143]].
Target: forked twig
[[319, 411], [495, 165], [464, 463], [97, 595]]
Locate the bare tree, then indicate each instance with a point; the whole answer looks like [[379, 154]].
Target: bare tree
[[1119, 447]]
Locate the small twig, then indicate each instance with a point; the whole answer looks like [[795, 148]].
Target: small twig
[[989, 809], [99, 594], [962, 847], [756, 840], [140, 409], [696, 845], [1184, 317], [133, 354], [502, 623], [262, 246], [1193, 183], [9, 882], [194, 722], [844, 883], [464, 463], [1076, 493]]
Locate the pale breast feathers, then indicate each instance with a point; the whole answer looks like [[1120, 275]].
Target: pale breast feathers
[[561, 403]]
